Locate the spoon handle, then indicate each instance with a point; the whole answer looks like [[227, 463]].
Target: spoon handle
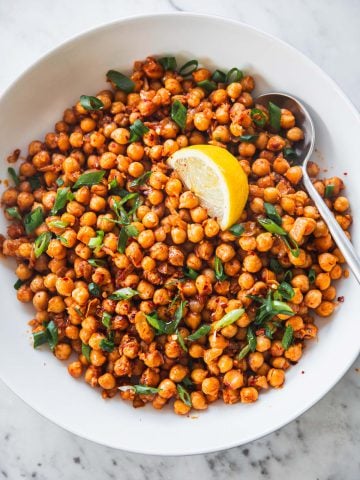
[[336, 231]]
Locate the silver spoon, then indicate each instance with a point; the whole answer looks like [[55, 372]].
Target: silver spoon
[[304, 150]]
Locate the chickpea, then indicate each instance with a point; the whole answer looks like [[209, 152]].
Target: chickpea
[[294, 174], [294, 352], [181, 408], [62, 351], [178, 372], [198, 401], [261, 167], [195, 232], [276, 377], [64, 286], [264, 242], [248, 395], [56, 305], [252, 263], [313, 298], [262, 343], [234, 379], [167, 388], [188, 200], [75, 369], [40, 300], [327, 261], [325, 309], [107, 381], [295, 134], [210, 386], [150, 220]]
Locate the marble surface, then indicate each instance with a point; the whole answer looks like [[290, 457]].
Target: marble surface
[[324, 443]]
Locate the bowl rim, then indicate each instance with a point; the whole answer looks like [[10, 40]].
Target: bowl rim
[[224, 445]]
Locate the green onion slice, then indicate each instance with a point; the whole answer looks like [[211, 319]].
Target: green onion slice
[[14, 176], [287, 337], [121, 81], [33, 220], [137, 130], [41, 243], [168, 63], [228, 319], [123, 294], [200, 332], [89, 179], [207, 85], [274, 116], [178, 114], [218, 76], [91, 103], [188, 68], [234, 75], [258, 117], [184, 395]]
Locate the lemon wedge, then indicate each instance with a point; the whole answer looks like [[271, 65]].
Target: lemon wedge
[[216, 177]]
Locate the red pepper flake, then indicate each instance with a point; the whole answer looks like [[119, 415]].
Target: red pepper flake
[[302, 372], [341, 299]]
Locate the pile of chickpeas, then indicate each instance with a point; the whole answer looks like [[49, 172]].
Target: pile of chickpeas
[[175, 234]]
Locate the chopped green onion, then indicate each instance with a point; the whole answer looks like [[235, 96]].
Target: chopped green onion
[[95, 243], [234, 75], [137, 130], [180, 340], [14, 213], [39, 338], [228, 319], [107, 345], [168, 63], [190, 273], [178, 114], [18, 283], [200, 332], [288, 276], [89, 179], [311, 275], [207, 85], [94, 289], [290, 154], [106, 319], [53, 335], [286, 291], [41, 243], [121, 81], [58, 224], [156, 322], [184, 395], [329, 191], [251, 338], [50, 335], [96, 262], [85, 350], [123, 294], [60, 182], [237, 230], [34, 182], [218, 76], [112, 184], [287, 337], [243, 352], [188, 68], [91, 103], [248, 138], [63, 195], [275, 266], [271, 226], [272, 213], [219, 269], [140, 389], [140, 180], [122, 240], [258, 117], [131, 231], [33, 220], [14, 176], [274, 116]]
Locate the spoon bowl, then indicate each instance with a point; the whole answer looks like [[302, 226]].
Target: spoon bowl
[[303, 151]]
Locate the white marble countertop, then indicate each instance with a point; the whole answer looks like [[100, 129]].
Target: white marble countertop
[[324, 443]]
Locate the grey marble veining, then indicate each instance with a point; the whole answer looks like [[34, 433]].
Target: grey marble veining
[[324, 443]]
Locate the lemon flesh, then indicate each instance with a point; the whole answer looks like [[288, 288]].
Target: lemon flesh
[[216, 177]]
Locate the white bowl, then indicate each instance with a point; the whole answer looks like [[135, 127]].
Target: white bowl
[[30, 108]]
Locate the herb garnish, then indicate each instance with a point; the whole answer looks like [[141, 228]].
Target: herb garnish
[[228, 319], [219, 269], [188, 68], [33, 220], [178, 113], [274, 116], [14, 176], [200, 332], [123, 294], [41, 243], [237, 230], [89, 179], [168, 63], [91, 103], [258, 117], [184, 395], [63, 195], [287, 337], [137, 130], [49, 335], [121, 81]]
